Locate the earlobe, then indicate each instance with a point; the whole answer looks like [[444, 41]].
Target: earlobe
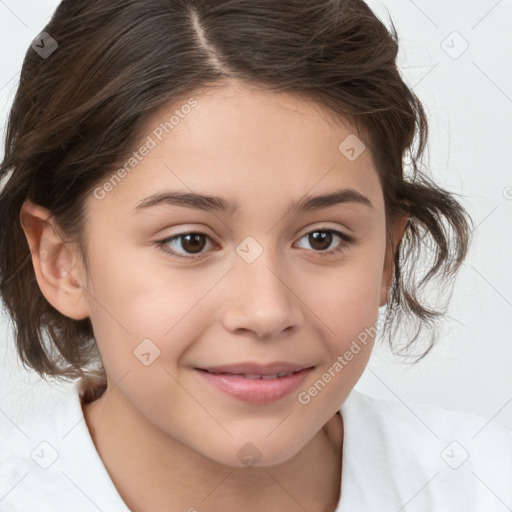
[[389, 264], [55, 262]]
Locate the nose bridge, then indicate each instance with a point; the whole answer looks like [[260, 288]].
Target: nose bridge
[[260, 299]]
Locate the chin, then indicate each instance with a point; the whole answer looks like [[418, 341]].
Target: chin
[[247, 454]]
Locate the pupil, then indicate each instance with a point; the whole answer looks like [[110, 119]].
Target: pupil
[[193, 240], [324, 237]]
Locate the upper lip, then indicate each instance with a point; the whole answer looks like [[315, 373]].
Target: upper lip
[[257, 368]]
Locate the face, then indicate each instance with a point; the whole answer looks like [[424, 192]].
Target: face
[[176, 289]]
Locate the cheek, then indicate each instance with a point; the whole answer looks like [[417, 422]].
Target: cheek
[[347, 304], [348, 308], [144, 311], [347, 298], [128, 290]]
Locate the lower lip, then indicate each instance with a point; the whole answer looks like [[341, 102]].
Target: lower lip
[[256, 391]]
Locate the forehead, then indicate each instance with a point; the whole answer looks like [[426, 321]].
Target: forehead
[[249, 146]]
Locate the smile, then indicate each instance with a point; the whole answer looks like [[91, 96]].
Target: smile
[[257, 385]]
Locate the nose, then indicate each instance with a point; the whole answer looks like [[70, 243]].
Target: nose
[[261, 299]]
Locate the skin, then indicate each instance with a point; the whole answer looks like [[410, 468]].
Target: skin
[[290, 304]]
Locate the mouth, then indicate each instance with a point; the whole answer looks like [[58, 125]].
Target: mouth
[[256, 383]]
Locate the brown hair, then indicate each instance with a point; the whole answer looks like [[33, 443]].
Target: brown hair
[[77, 114]]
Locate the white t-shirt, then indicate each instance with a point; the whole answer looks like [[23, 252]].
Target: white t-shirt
[[396, 457]]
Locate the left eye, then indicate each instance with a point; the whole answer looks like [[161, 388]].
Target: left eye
[[194, 242], [323, 239]]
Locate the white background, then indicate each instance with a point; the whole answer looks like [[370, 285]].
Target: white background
[[469, 104]]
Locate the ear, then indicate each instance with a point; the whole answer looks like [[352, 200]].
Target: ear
[[389, 263], [54, 262]]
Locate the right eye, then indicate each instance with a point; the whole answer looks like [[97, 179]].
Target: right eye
[[191, 240]]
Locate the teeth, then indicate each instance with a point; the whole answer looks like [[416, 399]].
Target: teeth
[[267, 377], [252, 376]]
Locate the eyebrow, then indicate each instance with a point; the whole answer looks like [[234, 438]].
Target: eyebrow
[[219, 204]]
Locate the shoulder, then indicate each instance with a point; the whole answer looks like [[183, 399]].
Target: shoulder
[[31, 454], [417, 419], [50, 462], [455, 457]]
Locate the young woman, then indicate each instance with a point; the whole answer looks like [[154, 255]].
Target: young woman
[[204, 207]]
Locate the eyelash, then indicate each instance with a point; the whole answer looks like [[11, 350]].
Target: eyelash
[[347, 240]]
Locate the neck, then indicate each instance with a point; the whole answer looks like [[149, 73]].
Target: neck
[[165, 473]]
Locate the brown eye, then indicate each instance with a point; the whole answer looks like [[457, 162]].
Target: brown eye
[[190, 243], [321, 239]]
